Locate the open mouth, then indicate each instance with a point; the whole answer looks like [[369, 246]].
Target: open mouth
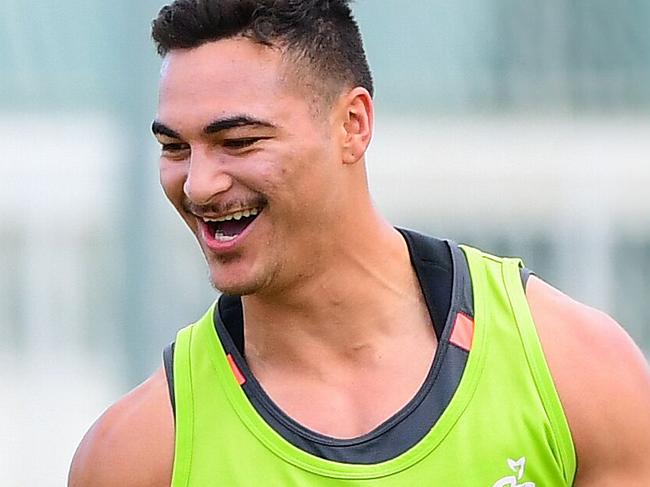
[[229, 227]]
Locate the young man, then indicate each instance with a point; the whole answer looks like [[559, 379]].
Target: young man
[[343, 350]]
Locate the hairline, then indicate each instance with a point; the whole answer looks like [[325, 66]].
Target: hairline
[[297, 70]]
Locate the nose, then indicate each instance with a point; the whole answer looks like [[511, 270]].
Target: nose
[[206, 178]]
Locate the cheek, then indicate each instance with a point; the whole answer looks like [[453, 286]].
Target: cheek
[[266, 173], [293, 179]]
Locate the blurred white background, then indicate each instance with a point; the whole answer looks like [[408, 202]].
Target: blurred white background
[[521, 127]]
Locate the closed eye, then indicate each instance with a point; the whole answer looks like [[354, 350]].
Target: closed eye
[[241, 143], [174, 147]]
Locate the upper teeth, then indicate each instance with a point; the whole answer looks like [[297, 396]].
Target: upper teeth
[[238, 215]]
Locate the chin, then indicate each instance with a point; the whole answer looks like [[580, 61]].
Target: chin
[[234, 283], [239, 276], [234, 289]]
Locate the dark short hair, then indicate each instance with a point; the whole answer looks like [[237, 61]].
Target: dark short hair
[[321, 34]]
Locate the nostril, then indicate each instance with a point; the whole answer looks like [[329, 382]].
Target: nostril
[[203, 188]]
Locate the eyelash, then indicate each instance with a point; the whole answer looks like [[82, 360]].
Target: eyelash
[[176, 147], [233, 144], [240, 143]]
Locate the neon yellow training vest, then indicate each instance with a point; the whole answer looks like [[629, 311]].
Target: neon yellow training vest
[[504, 426]]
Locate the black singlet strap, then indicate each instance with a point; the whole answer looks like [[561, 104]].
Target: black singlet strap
[[442, 271], [168, 362], [525, 274]]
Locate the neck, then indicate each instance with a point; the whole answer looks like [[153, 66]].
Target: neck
[[351, 308]]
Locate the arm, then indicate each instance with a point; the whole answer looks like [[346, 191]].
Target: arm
[[603, 382], [131, 444]]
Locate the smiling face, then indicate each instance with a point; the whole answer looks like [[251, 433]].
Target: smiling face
[[255, 174]]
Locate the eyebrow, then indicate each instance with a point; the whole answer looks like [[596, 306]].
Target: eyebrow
[[235, 121], [161, 129], [218, 125]]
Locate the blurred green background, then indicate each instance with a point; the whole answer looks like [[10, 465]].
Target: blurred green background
[[521, 127]]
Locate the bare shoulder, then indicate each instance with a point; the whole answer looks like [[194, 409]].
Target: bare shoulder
[[132, 443], [603, 381]]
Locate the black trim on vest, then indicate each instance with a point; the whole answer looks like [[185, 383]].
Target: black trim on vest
[[434, 268], [455, 356], [168, 362], [525, 273], [443, 275]]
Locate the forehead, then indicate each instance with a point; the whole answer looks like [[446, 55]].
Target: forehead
[[221, 78]]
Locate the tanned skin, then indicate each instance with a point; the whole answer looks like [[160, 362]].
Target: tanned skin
[[319, 257]]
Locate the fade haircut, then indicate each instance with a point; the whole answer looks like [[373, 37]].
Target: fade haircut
[[320, 35]]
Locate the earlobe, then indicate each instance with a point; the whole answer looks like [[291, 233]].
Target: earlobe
[[358, 124]]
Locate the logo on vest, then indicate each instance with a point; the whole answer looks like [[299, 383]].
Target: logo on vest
[[518, 467]]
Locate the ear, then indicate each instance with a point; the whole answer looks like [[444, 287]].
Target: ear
[[358, 117]]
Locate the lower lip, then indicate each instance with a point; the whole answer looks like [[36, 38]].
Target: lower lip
[[219, 246]]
